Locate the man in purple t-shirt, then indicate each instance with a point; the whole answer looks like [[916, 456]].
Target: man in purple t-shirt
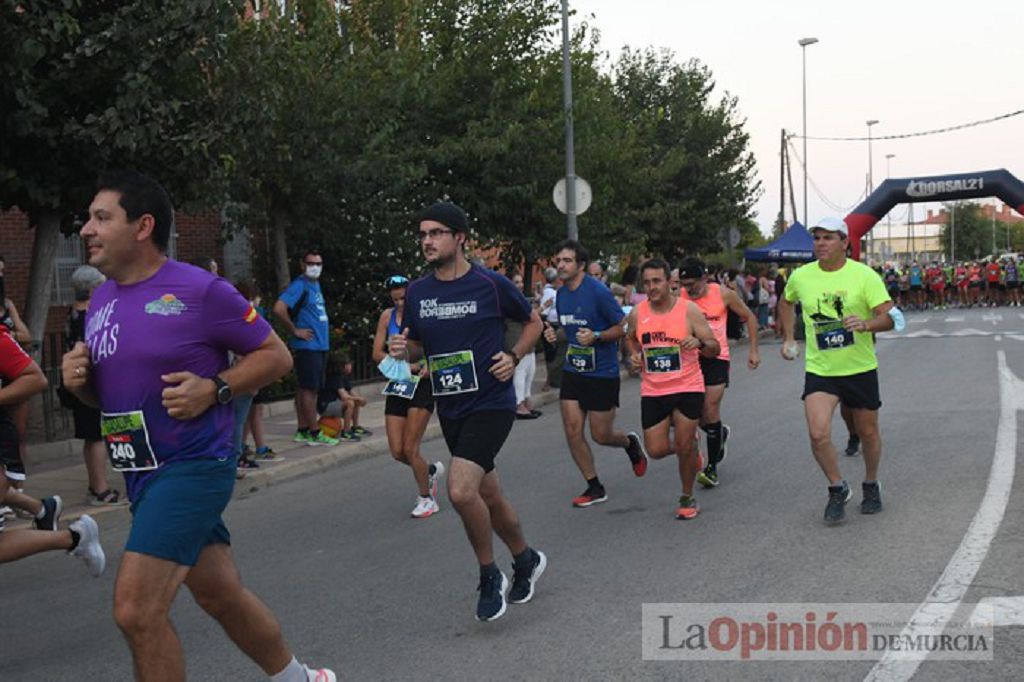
[[155, 362]]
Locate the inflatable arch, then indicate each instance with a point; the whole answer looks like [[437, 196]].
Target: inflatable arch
[[998, 183]]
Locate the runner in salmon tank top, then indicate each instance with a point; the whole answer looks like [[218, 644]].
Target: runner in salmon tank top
[[666, 336]]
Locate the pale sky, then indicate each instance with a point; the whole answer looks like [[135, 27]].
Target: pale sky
[[914, 66]]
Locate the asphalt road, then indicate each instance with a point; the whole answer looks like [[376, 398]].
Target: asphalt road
[[361, 587]]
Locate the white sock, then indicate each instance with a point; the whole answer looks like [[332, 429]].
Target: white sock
[[293, 672]]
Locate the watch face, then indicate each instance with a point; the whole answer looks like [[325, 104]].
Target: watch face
[[224, 395]]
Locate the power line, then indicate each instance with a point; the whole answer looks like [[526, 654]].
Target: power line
[[821, 195], [937, 131]]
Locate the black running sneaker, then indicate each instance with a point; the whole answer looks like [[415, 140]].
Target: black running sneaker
[[725, 441], [637, 454], [493, 588], [524, 578], [852, 446], [590, 496], [52, 507], [872, 502], [838, 496]]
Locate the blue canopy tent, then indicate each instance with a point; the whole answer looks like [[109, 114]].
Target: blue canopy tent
[[794, 246]]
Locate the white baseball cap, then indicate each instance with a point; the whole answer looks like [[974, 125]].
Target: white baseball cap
[[831, 224]]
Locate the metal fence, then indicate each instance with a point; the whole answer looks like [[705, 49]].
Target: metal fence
[[57, 421]]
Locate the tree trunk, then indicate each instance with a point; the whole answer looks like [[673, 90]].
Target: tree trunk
[[40, 280], [279, 223]]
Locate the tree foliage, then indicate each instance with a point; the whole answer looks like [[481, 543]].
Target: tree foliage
[[332, 124]]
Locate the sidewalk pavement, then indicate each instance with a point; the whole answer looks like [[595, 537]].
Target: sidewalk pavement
[[65, 476]]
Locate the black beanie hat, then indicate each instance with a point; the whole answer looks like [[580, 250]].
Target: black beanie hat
[[448, 214]]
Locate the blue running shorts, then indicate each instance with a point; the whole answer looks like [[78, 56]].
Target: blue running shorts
[[179, 510]]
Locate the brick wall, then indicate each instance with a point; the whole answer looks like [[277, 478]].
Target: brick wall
[[198, 236]]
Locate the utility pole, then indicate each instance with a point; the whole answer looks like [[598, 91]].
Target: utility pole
[[782, 181], [570, 155], [871, 181]]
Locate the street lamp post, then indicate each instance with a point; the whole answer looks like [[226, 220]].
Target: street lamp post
[[871, 178], [803, 43], [570, 154], [888, 174]]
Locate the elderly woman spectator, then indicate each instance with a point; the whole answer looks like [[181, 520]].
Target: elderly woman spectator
[[84, 281]]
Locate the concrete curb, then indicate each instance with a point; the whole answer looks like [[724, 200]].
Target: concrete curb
[[328, 458]]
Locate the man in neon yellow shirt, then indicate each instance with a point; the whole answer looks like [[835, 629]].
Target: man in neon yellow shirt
[[844, 302]]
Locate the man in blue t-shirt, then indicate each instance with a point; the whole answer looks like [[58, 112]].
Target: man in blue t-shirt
[[301, 308], [455, 316], [591, 321]]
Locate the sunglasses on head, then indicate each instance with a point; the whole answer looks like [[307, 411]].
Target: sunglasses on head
[[396, 281]]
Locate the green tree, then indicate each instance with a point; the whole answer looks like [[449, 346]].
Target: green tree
[[973, 232], [90, 86], [696, 173]]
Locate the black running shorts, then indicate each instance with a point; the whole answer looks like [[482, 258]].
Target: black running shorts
[[478, 436], [423, 398], [656, 409], [309, 368], [856, 391], [87, 422], [594, 394], [715, 370]]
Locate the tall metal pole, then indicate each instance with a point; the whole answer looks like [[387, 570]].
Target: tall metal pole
[[871, 180], [570, 155], [888, 174], [952, 233], [803, 43], [995, 249]]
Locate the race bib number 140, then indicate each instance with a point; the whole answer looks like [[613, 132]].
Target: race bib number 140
[[127, 440]]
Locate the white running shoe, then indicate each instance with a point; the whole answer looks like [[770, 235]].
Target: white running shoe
[[427, 506], [321, 675], [89, 549], [433, 479]]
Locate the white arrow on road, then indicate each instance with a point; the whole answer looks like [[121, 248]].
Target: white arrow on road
[[944, 599], [998, 611], [994, 318]]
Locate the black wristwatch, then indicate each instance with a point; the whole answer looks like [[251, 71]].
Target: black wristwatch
[[224, 394]]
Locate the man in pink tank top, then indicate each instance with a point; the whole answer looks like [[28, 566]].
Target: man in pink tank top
[[666, 335], [715, 302]]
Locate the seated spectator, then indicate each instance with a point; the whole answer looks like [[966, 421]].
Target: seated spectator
[[337, 398]]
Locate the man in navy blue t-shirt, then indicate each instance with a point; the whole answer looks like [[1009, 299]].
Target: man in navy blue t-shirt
[[591, 321], [455, 317]]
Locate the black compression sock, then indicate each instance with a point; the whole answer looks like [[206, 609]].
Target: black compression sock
[[594, 482], [76, 537], [714, 435]]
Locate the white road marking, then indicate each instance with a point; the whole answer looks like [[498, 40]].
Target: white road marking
[[993, 318], [918, 320], [944, 598], [998, 337], [955, 318], [1002, 611]]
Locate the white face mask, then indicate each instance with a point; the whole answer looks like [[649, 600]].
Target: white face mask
[[313, 271]]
